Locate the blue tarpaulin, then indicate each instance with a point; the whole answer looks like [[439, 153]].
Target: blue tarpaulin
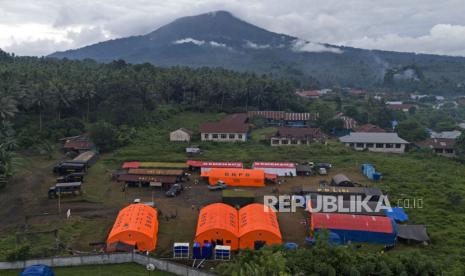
[[397, 214], [37, 270], [369, 171]]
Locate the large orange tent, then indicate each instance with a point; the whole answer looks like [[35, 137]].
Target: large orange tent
[[217, 224], [136, 225], [236, 177], [258, 224]]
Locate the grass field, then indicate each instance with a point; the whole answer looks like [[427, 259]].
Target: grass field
[[437, 182], [98, 270]]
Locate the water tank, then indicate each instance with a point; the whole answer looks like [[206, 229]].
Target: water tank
[[196, 251]]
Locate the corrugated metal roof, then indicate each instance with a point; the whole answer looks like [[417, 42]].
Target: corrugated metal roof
[[169, 179], [213, 164], [370, 137], [352, 222], [234, 123]]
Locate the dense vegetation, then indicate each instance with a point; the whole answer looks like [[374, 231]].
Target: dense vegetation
[[327, 260]]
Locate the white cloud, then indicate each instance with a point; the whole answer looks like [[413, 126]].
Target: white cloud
[[416, 26], [217, 44], [250, 44], [442, 39], [305, 46], [189, 40]]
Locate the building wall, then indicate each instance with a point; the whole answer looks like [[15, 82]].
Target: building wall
[[224, 137], [443, 152], [180, 136], [279, 171], [395, 148], [275, 141]]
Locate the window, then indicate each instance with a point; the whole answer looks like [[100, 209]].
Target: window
[[294, 142], [438, 150], [303, 142], [205, 135], [215, 136], [223, 136], [360, 145], [449, 151], [379, 146], [388, 146], [239, 136], [285, 142], [275, 141], [398, 146], [351, 145], [231, 136], [370, 145]]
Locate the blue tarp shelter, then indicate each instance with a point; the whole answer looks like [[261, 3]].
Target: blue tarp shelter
[[37, 270], [369, 171], [397, 214]]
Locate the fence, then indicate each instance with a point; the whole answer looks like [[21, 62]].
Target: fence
[[103, 259]]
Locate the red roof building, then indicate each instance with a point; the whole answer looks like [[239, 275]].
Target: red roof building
[[233, 128], [368, 128], [311, 94]]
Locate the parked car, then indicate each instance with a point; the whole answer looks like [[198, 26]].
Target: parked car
[[220, 185], [322, 171], [175, 190], [327, 166]]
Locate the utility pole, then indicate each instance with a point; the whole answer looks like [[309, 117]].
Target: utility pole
[[59, 203]]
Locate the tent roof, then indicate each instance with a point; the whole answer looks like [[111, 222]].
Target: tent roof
[[37, 270], [138, 218], [352, 222], [397, 214], [257, 216], [210, 164], [412, 232], [131, 165], [217, 216], [339, 178], [237, 173]]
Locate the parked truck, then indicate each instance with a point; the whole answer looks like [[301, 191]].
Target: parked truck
[[73, 188], [72, 177], [67, 167]]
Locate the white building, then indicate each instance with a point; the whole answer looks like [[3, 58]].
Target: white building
[[278, 168], [376, 142], [233, 128], [181, 135]]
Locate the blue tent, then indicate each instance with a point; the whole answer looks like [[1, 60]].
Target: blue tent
[[37, 270], [397, 214], [369, 171]]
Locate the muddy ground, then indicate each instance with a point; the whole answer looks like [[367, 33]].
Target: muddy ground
[[24, 206]]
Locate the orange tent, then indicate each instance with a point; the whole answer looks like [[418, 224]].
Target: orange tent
[[218, 224], [258, 223], [236, 177], [136, 225]]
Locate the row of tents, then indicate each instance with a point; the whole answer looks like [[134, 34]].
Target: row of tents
[[251, 227]]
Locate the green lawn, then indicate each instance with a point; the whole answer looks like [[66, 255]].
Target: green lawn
[[129, 269]]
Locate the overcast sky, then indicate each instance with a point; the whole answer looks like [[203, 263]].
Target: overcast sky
[[40, 27]]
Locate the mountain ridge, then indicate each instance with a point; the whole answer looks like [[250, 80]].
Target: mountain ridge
[[219, 39]]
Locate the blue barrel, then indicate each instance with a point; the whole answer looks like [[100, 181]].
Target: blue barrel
[[207, 250], [376, 176], [291, 245], [196, 251]]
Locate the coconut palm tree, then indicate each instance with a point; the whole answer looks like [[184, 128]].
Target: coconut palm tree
[[8, 107]]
